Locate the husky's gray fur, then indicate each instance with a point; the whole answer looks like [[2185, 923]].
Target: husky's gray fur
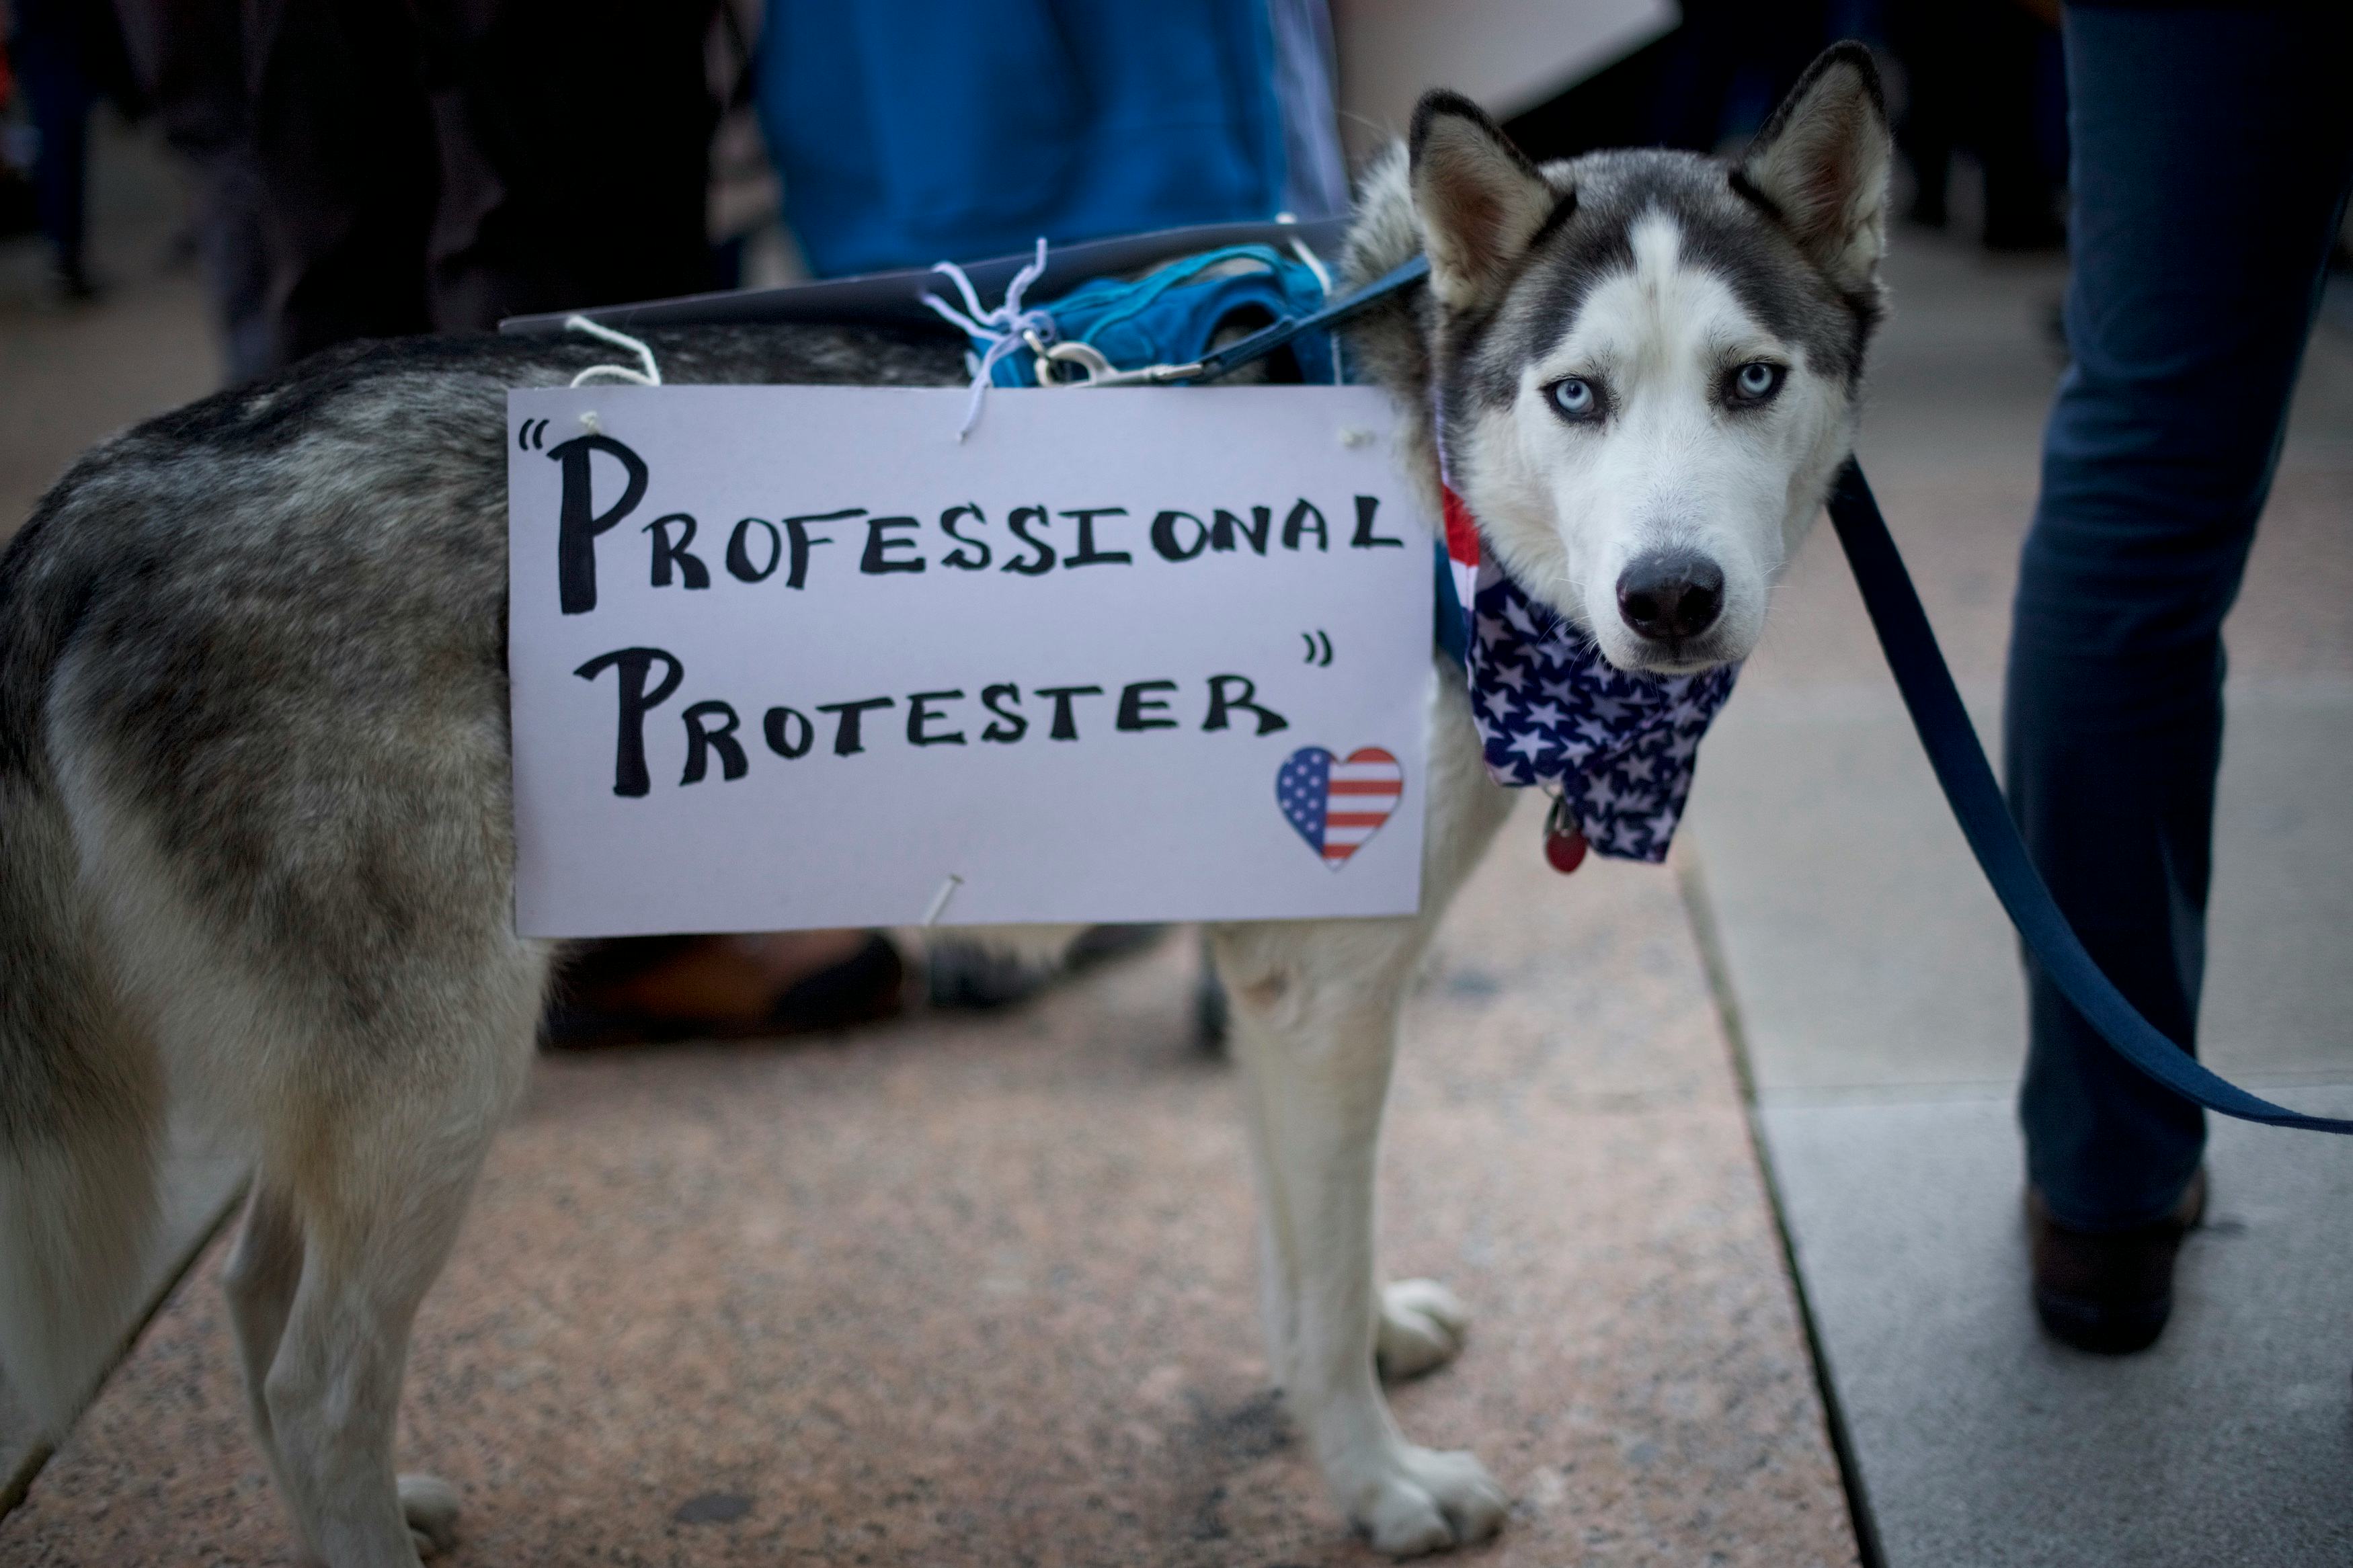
[[255, 824]]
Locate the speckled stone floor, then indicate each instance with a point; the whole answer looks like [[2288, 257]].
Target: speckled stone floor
[[980, 1292]]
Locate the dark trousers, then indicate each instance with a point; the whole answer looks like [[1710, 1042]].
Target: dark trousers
[[379, 167], [1975, 79], [2212, 155], [50, 46]]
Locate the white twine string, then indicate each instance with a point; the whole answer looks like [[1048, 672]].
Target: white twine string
[[650, 376], [939, 904], [1313, 263], [1323, 280], [1001, 329]]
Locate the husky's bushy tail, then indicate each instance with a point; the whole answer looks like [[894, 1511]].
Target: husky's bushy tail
[[81, 1102]]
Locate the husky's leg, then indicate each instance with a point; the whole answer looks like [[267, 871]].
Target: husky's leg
[[1277, 1288], [321, 941], [263, 1275], [364, 1230], [368, 1087], [259, 1284], [1422, 1324], [1314, 1016], [1315, 1036]]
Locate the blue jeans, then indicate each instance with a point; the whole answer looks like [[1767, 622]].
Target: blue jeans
[[2212, 155]]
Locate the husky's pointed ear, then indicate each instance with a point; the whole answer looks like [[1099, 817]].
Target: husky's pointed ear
[[1820, 164], [1480, 199]]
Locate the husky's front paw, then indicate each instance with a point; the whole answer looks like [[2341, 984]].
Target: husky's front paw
[[1422, 1325], [1425, 1501], [431, 1505]]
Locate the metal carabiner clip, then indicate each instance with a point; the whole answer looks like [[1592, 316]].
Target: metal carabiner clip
[[1094, 370]]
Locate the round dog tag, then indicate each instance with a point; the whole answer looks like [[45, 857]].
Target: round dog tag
[[1565, 851], [1564, 842]]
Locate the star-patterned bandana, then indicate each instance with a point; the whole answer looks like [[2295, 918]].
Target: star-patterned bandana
[[1619, 748]]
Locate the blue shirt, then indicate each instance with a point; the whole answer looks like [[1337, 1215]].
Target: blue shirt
[[909, 131]]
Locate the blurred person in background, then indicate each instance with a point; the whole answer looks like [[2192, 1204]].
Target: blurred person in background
[[1728, 64], [376, 168], [67, 56], [380, 167], [372, 168], [910, 132], [1984, 77], [1980, 79], [2213, 152], [1704, 86]]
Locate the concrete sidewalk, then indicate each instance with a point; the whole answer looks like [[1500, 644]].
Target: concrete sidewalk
[[980, 1292], [1877, 987]]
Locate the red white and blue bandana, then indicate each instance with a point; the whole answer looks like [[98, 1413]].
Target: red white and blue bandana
[[1619, 748]]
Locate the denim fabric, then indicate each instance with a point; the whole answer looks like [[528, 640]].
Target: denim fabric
[[2212, 155]]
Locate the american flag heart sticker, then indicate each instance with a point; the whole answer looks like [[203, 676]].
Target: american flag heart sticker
[[1337, 802]]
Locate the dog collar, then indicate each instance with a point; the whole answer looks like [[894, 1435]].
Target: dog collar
[[1617, 750]]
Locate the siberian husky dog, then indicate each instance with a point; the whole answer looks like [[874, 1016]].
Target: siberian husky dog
[[256, 845]]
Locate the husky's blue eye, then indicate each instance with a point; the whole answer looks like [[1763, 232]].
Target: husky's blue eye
[[1576, 397], [1756, 380]]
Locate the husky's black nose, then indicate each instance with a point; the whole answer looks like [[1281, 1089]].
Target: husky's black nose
[[1670, 594]]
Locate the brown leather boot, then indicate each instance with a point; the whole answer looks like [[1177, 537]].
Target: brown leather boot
[[2109, 1292], [640, 990]]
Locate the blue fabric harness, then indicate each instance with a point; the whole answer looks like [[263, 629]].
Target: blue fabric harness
[[1172, 315]]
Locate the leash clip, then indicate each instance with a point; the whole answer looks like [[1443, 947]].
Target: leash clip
[[1094, 370]]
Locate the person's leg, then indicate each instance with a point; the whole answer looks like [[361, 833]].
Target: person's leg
[[231, 237], [2212, 152], [190, 56], [2003, 50], [542, 207], [1925, 36], [341, 146], [47, 52]]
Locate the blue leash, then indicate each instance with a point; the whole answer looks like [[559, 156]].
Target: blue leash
[[1951, 743], [1260, 343], [1946, 733], [1958, 761]]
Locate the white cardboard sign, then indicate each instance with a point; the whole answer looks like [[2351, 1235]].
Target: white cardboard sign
[[791, 656]]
